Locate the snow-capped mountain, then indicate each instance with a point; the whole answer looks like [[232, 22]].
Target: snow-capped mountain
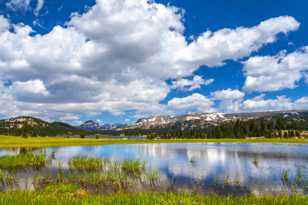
[[191, 121], [201, 120], [197, 118], [90, 125], [95, 126]]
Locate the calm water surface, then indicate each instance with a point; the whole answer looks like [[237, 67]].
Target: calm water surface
[[256, 166]]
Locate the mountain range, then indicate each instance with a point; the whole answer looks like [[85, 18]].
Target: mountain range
[[189, 121], [203, 120], [92, 126]]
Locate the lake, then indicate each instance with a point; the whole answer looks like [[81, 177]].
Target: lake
[[251, 168]]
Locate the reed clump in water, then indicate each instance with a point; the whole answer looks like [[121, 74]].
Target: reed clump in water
[[133, 167], [298, 182], [99, 175], [23, 161], [85, 164], [7, 180]]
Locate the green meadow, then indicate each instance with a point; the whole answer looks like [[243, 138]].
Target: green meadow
[[73, 195], [38, 142]]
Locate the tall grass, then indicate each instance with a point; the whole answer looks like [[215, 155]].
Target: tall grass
[[23, 161], [153, 177], [101, 175], [72, 195], [133, 167], [285, 178], [6, 179], [298, 182], [85, 164]]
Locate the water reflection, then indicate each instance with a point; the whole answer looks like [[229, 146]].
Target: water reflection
[[257, 166]]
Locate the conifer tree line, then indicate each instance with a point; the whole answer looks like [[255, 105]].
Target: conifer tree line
[[261, 127], [267, 128]]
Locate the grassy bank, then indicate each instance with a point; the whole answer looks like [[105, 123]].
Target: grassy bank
[[11, 142], [72, 195]]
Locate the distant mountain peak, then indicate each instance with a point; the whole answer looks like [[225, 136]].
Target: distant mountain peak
[[163, 121], [95, 126], [90, 125]]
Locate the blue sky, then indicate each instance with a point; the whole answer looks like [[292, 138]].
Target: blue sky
[[116, 61]]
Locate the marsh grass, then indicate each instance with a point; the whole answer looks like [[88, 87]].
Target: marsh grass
[[153, 177], [60, 189], [23, 161], [73, 195], [99, 175], [6, 179], [105, 167], [299, 178], [285, 178], [298, 182], [94, 182], [133, 167], [85, 164]]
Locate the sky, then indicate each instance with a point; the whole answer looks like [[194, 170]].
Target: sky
[[115, 61]]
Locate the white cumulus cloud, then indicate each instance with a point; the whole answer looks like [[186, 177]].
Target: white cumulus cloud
[[228, 94], [229, 100], [4, 24], [31, 87], [117, 57], [213, 48], [193, 103], [273, 73], [259, 103]]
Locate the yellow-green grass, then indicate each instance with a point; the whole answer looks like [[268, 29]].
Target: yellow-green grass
[[12, 142], [86, 164], [133, 167], [22, 161], [73, 195]]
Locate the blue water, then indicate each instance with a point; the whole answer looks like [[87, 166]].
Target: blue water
[[258, 166]]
